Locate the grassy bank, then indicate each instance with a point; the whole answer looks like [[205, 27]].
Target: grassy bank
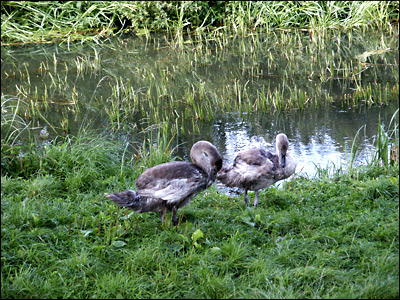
[[28, 21], [335, 236]]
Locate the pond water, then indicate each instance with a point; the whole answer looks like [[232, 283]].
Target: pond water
[[318, 137], [128, 84]]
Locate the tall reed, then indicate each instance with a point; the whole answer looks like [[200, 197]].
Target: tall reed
[[12, 124], [30, 21], [387, 142]]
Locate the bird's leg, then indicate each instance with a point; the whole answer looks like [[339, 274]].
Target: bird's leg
[[162, 216], [256, 198], [174, 217], [246, 197]]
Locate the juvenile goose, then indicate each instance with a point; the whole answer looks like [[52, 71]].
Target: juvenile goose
[[257, 168], [169, 186]]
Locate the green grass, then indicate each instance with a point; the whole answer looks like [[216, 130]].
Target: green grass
[[335, 236], [43, 21]]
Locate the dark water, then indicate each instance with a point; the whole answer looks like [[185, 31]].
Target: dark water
[[319, 135]]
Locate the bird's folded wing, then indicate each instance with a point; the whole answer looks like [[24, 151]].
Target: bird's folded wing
[[171, 190]]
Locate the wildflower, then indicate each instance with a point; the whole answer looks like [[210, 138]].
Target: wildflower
[[44, 133], [20, 155]]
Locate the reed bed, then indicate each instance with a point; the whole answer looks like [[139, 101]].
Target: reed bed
[[28, 21], [269, 73], [251, 85]]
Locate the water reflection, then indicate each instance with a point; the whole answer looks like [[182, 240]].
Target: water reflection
[[318, 137]]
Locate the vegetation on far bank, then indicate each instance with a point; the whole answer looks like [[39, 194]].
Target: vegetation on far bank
[[42, 21]]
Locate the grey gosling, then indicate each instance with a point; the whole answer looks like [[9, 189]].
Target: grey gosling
[[257, 168], [169, 186]]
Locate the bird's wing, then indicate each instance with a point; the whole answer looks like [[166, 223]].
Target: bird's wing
[[171, 182], [254, 156], [253, 164]]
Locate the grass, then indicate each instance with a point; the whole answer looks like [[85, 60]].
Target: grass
[[28, 21], [335, 236], [12, 124], [384, 138]]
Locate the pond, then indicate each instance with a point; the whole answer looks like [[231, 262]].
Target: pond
[[236, 92]]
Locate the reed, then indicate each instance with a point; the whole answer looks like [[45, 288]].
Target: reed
[[374, 94], [354, 151], [87, 64], [155, 150], [12, 124], [92, 21], [387, 142]]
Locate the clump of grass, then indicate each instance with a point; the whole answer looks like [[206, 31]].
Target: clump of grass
[[386, 138], [156, 151], [77, 161], [386, 143], [43, 21], [12, 124], [88, 64], [40, 21], [376, 95]]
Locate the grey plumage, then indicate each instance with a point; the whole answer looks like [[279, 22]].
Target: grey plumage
[[257, 168], [169, 186]]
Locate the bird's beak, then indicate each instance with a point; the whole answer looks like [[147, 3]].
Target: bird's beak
[[283, 160]]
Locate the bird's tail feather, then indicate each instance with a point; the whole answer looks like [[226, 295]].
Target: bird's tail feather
[[125, 199]]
